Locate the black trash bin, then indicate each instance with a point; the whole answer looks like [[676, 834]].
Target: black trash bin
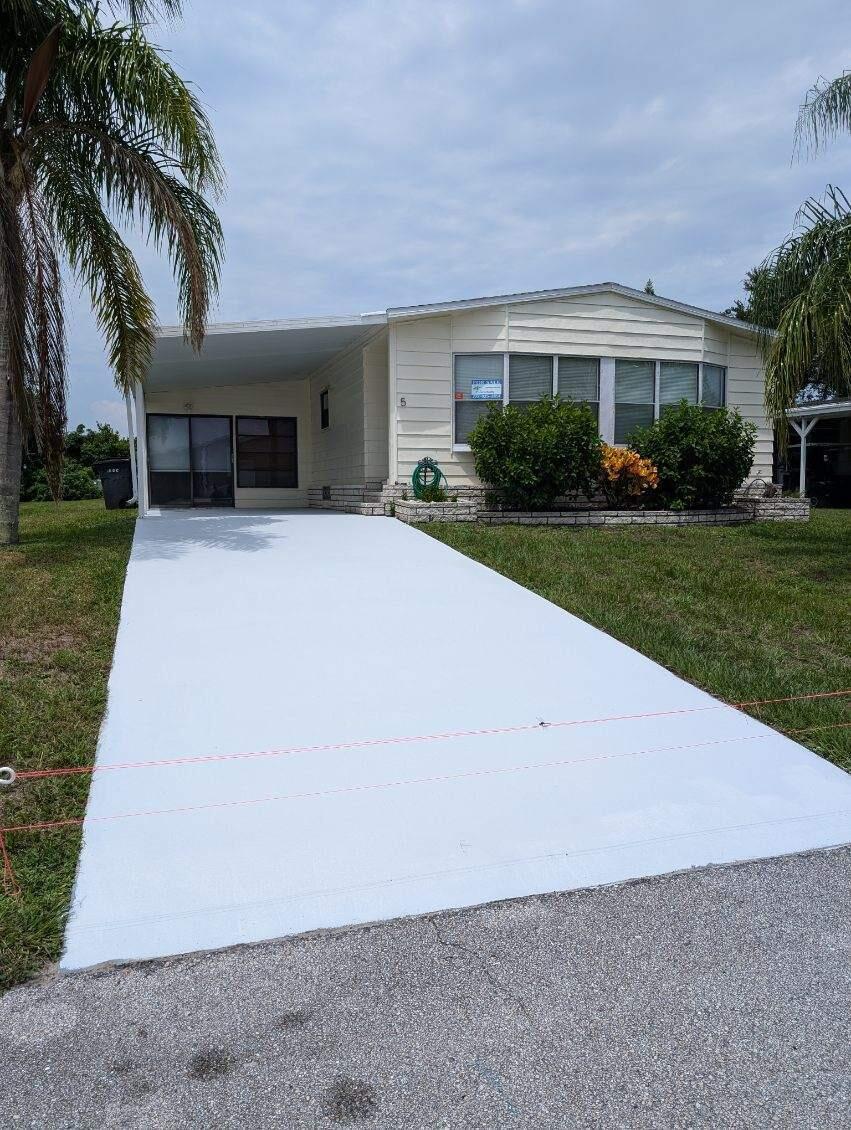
[[117, 483]]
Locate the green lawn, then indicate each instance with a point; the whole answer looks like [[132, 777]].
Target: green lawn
[[746, 612], [60, 592]]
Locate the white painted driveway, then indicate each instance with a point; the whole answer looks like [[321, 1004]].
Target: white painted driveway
[[261, 633]]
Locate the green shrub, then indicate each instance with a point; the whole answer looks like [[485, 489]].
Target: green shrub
[[701, 455], [433, 493], [77, 483], [536, 454]]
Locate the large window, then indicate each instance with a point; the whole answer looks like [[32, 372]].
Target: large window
[[677, 381], [579, 379], [266, 451], [635, 396], [529, 378], [714, 386], [478, 384]]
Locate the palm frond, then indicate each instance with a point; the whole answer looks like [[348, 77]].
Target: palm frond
[[825, 113], [107, 268], [114, 74], [45, 335], [144, 11], [806, 282], [139, 185]]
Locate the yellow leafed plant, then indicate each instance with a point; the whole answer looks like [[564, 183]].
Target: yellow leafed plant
[[625, 476]]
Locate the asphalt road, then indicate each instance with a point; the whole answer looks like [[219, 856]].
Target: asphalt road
[[716, 998]]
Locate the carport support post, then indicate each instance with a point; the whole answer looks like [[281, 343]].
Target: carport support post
[[141, 451], [803, 428], [134, 479]]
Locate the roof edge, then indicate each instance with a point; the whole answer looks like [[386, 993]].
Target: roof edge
[[308, 323], [401, 312]]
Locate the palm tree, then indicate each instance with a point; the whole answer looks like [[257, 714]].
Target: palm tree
[[97, 132], [804, 287]]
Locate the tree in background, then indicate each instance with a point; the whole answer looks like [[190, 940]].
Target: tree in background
[[802, 290], [83, 447], [649, 288], [97, 132]]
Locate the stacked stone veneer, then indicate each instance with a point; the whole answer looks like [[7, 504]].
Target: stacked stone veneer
[[774, 509], [729, 517], [410, 511], [363, 498], [474, 504]]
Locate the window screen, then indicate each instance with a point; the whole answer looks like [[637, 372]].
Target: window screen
[[635, 387], [478, 385], [677, 381], [579, 379], [714, 382], [266, 451], [529, 378]]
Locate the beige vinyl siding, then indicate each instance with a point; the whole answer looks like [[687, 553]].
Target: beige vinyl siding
[[338, 450], [596, 325], [609, 325], [745, 391], [281, 398]]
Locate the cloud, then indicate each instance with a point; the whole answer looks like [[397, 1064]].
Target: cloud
[[384, 152], [112, 412]]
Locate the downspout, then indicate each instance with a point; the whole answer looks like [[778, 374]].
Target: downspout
[[131, 436]]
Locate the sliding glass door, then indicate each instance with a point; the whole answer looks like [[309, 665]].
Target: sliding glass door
[[190, 460]]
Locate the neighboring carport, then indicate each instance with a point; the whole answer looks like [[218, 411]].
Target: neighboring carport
[[318, 719], [823, 450]]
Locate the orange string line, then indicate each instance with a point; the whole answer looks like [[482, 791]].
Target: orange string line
[[33, 774]]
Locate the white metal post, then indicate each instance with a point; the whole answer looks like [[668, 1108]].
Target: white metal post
[[132, 446], [803, 429], [141, 451]]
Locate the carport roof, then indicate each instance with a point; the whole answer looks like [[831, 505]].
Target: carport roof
[[290, 348], [237, 352]]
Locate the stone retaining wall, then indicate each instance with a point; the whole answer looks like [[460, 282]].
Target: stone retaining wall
[[410, 511], [472, 505], [729, 517], [775, 509]]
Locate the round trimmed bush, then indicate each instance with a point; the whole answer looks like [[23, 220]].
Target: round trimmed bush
[[534, 455], [701, 455]]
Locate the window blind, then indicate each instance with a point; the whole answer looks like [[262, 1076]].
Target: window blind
[[471, 367], [677, 381], [579, 378], [635, 382], [714, 379], [529, 377], [635, 395]]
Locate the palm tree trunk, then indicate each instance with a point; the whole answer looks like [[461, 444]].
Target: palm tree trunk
[[10, 448]]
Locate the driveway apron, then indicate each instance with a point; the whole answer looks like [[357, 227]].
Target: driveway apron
[[320, 719]]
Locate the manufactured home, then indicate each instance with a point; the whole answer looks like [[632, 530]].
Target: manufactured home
[[337, 411]]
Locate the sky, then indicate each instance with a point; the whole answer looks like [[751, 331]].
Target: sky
[[391, 152]]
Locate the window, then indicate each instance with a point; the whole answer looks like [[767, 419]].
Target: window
[[324, 414], [635, 396], [714, 386], [266, 451], [579, 379], [478, 384], [529, 378], [677, 381]]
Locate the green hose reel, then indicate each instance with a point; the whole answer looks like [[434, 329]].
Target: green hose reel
[[427, 479]]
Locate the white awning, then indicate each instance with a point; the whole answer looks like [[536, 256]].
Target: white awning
[[251, 352]]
